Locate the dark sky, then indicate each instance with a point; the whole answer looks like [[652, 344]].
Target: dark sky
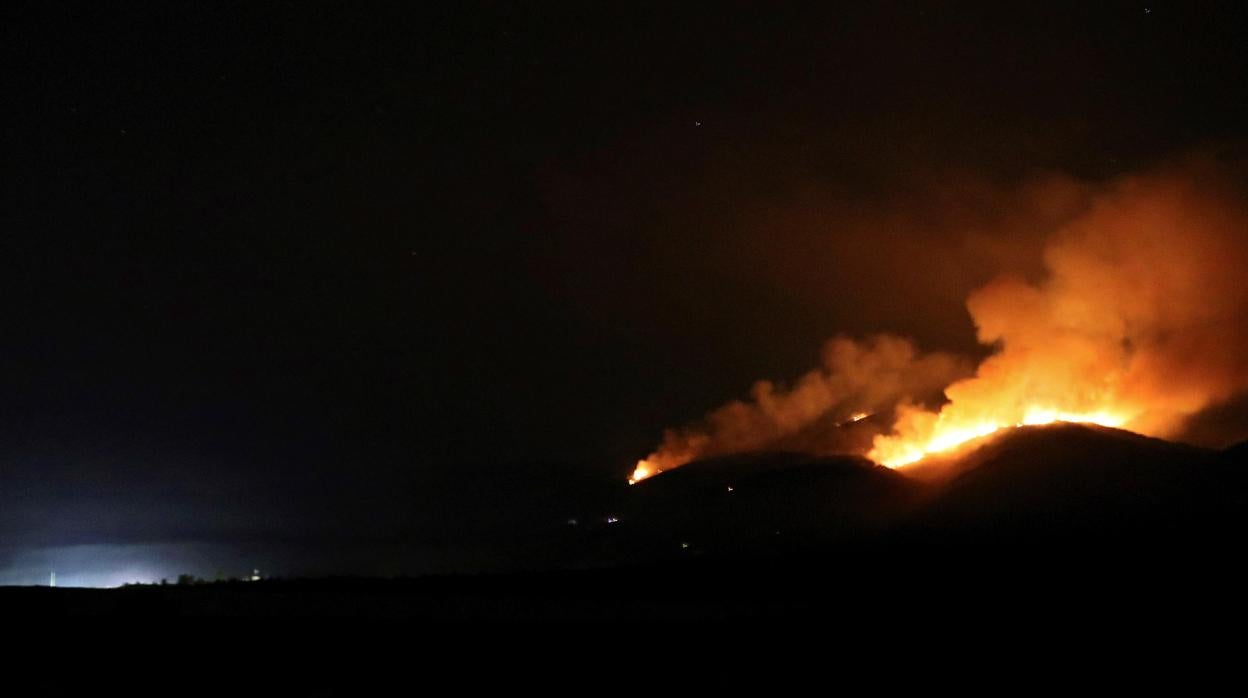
[[425, 275]]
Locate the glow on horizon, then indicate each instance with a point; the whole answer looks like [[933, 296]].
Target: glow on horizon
[[104, 566]]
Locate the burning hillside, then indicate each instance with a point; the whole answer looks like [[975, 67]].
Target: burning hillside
[[1137, 323], [1067, 488]]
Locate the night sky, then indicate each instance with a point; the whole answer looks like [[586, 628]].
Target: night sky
[[326, 287]]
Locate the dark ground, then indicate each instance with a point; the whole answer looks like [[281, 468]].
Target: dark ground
[[1024, 585], [1042, 523]]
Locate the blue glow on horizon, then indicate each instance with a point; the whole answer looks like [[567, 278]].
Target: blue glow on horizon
[[103, 566]]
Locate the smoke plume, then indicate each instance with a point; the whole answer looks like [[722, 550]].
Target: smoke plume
[[1136, 321], [857, 378]]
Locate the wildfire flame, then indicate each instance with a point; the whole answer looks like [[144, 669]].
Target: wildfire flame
[[947, 435], [643, 470], [1137, 323]]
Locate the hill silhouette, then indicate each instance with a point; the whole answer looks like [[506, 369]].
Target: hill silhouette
[[1078, 483], [1039, 522], [767, 501], [1062, 485]]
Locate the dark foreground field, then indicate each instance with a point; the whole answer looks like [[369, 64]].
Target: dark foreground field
[[1045, 523], [864, 586]]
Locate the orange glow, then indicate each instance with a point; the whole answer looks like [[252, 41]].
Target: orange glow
[[947, 435], [1136, 322], [643, 470]]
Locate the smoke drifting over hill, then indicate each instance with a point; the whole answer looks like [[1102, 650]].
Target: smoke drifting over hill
[[1136, 322], [856, 379]]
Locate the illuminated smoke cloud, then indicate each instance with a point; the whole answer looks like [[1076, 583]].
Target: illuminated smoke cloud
[[857, 378], [1137, 321]]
